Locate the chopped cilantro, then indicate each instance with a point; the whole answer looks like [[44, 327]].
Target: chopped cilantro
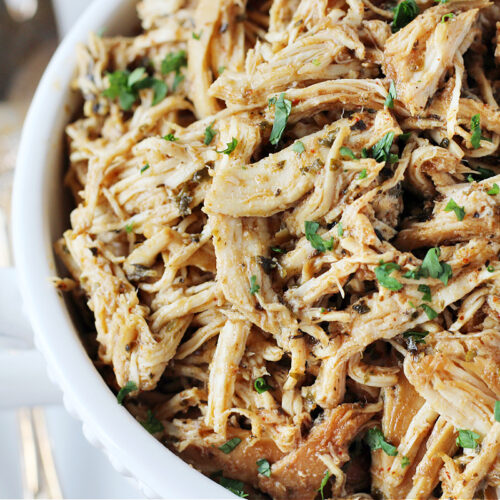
[[144, 168], [173, 62], [209, 134], [282, 109], [405, 461], [152, 424], [260, 385], [233, 485], [376, 440], [404, 13], [383, 271], [254, 288], [450, 15], [197, 36], [317, 242], [459, 211], [298, 147], [129, 387], [490, 268], [362, 174], [170, 137], [468, 439], [230, 147], [431, 314], [381, 150], [426, 290], [494, 190], [496, 411], [230, 445], [340, 230], [129, 227], [347, 152], [263, 467], [418, 337], [389, 100]]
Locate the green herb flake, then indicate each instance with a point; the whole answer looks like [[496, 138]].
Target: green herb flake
[[405, 461], [433, 267], [316, 62], [254, 288], [362, 174], [447, 16], [468, 439], [418, 337], [170, 137], [298, 147], [494, 190], [209, 134], [230, 147], [233, 485], [383, 271], [340, 230], [475, 127], [404, 13], [277, 250], [381, 151], [389, 100], [152, 424], [496, 411], [260, 385], [129, 387], [129, 227], [144, 168], [317, 242], [173, 62], [426, 290], [490, 268], [197, 36], [282, 109], [264, 467], [459, 211], [324, 482], [230, 445], [376, 440], [221, 69], [344, 151], [431, 314]]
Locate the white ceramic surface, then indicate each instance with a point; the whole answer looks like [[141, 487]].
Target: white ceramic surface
[[39, 216]]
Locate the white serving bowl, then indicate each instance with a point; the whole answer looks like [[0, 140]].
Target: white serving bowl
[[40, 214]]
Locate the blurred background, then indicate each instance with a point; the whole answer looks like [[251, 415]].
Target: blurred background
[[43, 453]]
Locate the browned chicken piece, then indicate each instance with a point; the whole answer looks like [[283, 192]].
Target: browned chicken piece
[[417, 57], [299, 474], [480, 216]]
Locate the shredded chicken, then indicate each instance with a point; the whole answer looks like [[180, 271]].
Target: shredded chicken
[[286, 240]]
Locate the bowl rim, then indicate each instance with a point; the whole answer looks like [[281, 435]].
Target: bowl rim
[[133, 452]]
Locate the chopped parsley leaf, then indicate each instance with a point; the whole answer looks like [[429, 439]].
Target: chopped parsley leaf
[[233, 485], [170, 137], [433, 267], [260, 385], [230, 147], [494, 190], [405, 461], [129, 227], [475, 127], [376, 440], [298, 147], [197, 36], [144, 168], [431, 314], [496, 411], [418, 337], [389, 100], [173, 62], [317, 242], [152, 424], [209, 134], [129, 387], [277, 250], [426, 290], [254, 288], [221, 69], [230, 445], [362, 174], [282, 109], [450, 15], [404, 13], [459, 211], [383, 271], [340, 230], [263, 467], [347, 152], [468, 439], [490, 268], [324, 481]]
